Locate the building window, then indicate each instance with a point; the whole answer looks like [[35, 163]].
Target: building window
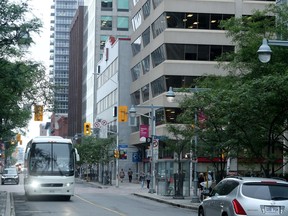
[[106, 5], [136, 46], [146, 9], [145, 93], [136, 21], [146, 64], [158, 86], [158, 56], [123, 5], [136, 71], [156, 3], [122, 23], [135, 97], [103, 39], [106, 22], [146, 37], [159, 25]]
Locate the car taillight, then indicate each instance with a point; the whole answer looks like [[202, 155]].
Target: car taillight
[[238, 208]]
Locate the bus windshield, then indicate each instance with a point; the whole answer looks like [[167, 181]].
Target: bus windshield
[[52, 159]]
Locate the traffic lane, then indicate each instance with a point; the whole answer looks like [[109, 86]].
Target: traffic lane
[[129, 205]]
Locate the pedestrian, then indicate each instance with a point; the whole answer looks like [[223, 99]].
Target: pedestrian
[[122, 175], [200, 180], [148, 179], [142, 179], [130, 173]]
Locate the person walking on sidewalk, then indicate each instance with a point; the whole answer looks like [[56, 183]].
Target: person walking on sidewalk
[[130, 173], [142, 179], [148, 179], [122, 175]]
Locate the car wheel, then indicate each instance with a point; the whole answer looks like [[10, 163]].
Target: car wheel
[[2, 183], [201, 212]]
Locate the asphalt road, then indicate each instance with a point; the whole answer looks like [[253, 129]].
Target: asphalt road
[[89, 200]]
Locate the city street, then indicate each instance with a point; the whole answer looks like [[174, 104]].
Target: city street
[[92, 200]]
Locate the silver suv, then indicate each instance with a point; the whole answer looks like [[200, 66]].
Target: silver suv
[[250, 196], [10, 175]]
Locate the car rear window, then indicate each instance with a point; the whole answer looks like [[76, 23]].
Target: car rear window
[[266, 191]]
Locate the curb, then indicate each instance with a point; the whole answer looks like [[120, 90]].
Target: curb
[[166, 202]]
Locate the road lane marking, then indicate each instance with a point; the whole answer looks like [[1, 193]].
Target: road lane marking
[[100, 206]]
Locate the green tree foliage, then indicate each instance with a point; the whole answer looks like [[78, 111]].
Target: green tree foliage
[[246, 111], [94, 150], [22, 81]]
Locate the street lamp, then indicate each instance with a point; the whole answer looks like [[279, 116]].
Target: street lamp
[[170, 95], [132, 113], [264, 51]]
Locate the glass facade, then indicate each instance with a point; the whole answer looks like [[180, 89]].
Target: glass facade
[[64, 13]]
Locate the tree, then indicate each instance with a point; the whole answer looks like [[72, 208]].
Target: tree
[[23, 82], [246, 110], [178, 143]]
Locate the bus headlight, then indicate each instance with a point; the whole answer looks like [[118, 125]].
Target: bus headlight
[[34, 184], [69, 184]]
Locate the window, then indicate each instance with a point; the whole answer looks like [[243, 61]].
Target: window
[[158, 56], [103, 39], [146, 64], [159, 25], [122, 23], [156, 3], [136, 21], [136, 71], [123, 5], [146, 9], [158, 86], [106, 23], [146, 37], [106, 5], [136, 46], [145, 92], [135, 97]]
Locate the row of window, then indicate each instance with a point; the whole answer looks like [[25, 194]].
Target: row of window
[[122, 23], [179, 52], [107, 102], [111, 70], [175, 20], [145, 12], [162, 85], [122, 5]]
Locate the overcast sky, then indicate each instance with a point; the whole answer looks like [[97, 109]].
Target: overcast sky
[[40, 51]]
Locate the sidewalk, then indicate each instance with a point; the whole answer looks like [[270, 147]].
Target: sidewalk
[[6, 204], [135, 189]]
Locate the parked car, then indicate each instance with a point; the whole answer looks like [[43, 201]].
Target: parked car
[[10, 175], [250, 196]]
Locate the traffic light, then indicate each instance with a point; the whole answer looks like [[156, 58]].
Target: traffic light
[[38, 112], [87, 128], [116, 153], [122, 113]]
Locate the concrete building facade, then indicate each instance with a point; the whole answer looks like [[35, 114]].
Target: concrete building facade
[[173, 43]]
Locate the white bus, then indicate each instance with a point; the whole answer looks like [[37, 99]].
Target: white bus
[[50, 167]]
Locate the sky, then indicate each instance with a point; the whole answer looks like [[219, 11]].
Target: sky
[[40, 50]]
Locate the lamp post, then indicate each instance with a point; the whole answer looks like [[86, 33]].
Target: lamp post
[[264, 51], [132, 113], [170, 96]]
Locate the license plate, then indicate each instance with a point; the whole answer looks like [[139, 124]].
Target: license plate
[[272, 209], [51, 191]]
